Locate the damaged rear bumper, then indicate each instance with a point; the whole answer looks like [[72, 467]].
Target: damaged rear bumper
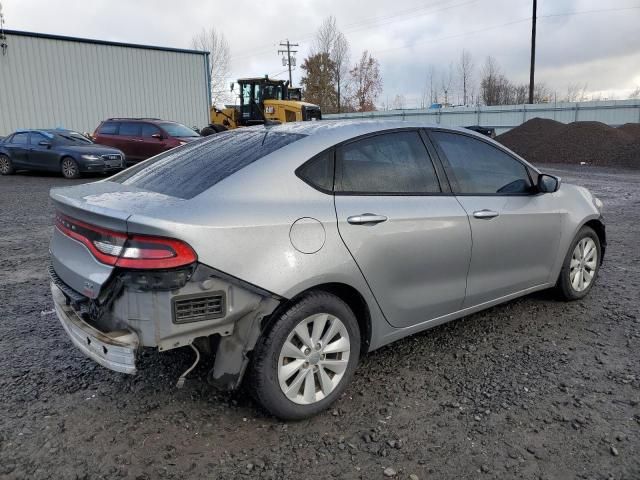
[[115, 350], [201, 307]]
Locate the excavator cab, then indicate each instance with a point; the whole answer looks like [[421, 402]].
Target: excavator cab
[[253, 93], [262, 100]]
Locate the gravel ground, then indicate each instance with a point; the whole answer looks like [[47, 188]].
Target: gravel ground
[[534, 388]]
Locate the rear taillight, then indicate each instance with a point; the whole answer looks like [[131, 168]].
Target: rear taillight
[[125, 250]]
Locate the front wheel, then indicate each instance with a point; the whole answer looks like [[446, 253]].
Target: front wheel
[[6, 167], [306, 360], [70, 168], [581, 265]]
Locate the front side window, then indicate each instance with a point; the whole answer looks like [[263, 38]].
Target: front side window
[[37, 137], [129, 129], [392, 163], [480, 168], [148, 130], [20, 138]]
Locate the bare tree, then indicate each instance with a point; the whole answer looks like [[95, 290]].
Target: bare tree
[[399, 102], [635, 94], [465, 71], [446, 81], [331, 41], [366, 82], [576, 92], [214, 42]]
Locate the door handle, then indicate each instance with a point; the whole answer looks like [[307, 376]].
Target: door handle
[[366, 219], [485, 214]]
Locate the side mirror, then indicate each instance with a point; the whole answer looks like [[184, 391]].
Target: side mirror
[[157, 135], [44, 143], [548, 183]]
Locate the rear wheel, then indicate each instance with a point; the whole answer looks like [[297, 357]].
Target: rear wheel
[[70, 168], [306, 360], [6, 167], [581, 265]]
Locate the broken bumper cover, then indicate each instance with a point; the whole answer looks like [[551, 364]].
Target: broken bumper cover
[[114, 350]]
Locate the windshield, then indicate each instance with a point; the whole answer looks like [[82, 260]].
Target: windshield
[[72, 138], [178, 130], [190, 170]]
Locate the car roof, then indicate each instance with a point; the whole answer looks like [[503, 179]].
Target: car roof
[[137, 119], [335, 131]]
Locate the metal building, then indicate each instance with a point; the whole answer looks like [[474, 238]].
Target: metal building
[[49, 81]]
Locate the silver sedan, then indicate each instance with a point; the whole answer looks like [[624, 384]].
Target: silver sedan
[[285, 253]]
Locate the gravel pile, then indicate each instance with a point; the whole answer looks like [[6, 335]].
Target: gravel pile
[[547, 141]]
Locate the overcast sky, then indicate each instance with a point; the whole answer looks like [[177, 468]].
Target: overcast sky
[[578, 41]]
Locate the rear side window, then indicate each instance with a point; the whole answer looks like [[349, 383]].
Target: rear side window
[[480, 168], [318, 172], [190, 170], [391, 163], [129, 129], [108, 128]]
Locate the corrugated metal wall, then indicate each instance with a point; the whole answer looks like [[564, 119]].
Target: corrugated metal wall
[[506, 117], [47, 83]]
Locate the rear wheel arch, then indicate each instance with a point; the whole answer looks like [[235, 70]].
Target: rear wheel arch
[[348, 294]]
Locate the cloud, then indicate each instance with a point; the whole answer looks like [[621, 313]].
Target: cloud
[[600, 48]]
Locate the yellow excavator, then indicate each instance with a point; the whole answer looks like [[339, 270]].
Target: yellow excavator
[[262, 101]]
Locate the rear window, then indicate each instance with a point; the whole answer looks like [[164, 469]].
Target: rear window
[[190, 170]]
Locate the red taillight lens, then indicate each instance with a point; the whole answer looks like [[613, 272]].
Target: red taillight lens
[[128, 251]]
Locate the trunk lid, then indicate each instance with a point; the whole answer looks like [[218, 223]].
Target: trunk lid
[[102, 204]]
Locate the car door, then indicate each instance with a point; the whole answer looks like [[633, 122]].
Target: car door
[[150, 145], [41, 152], [515, 229], [129, 140], [408, 235], [18, 149]]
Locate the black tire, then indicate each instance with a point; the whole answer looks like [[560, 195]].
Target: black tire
[[262, 379], [69, 168], [564, 286], [218, 127], [6, 166], [209, 130]]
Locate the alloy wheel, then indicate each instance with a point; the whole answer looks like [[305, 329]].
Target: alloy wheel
[[313, 359], [584, 262], [5, 166], [69, 168]]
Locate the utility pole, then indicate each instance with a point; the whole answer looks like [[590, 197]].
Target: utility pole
[[3, 38], [533, 51], [286, 61]]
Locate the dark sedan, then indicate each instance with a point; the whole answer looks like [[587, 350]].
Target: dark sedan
[[64, 151]]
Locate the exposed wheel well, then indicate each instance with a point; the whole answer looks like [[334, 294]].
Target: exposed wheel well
[[599, 228], [348, 295]]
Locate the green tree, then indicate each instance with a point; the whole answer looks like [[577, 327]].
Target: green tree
[[319, 82]]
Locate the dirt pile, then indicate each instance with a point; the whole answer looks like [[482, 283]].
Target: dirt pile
[[547, 141]]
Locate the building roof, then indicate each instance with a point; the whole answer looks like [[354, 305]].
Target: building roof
[[101, 42]]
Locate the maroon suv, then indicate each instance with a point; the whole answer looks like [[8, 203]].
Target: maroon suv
[[141, 138]]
